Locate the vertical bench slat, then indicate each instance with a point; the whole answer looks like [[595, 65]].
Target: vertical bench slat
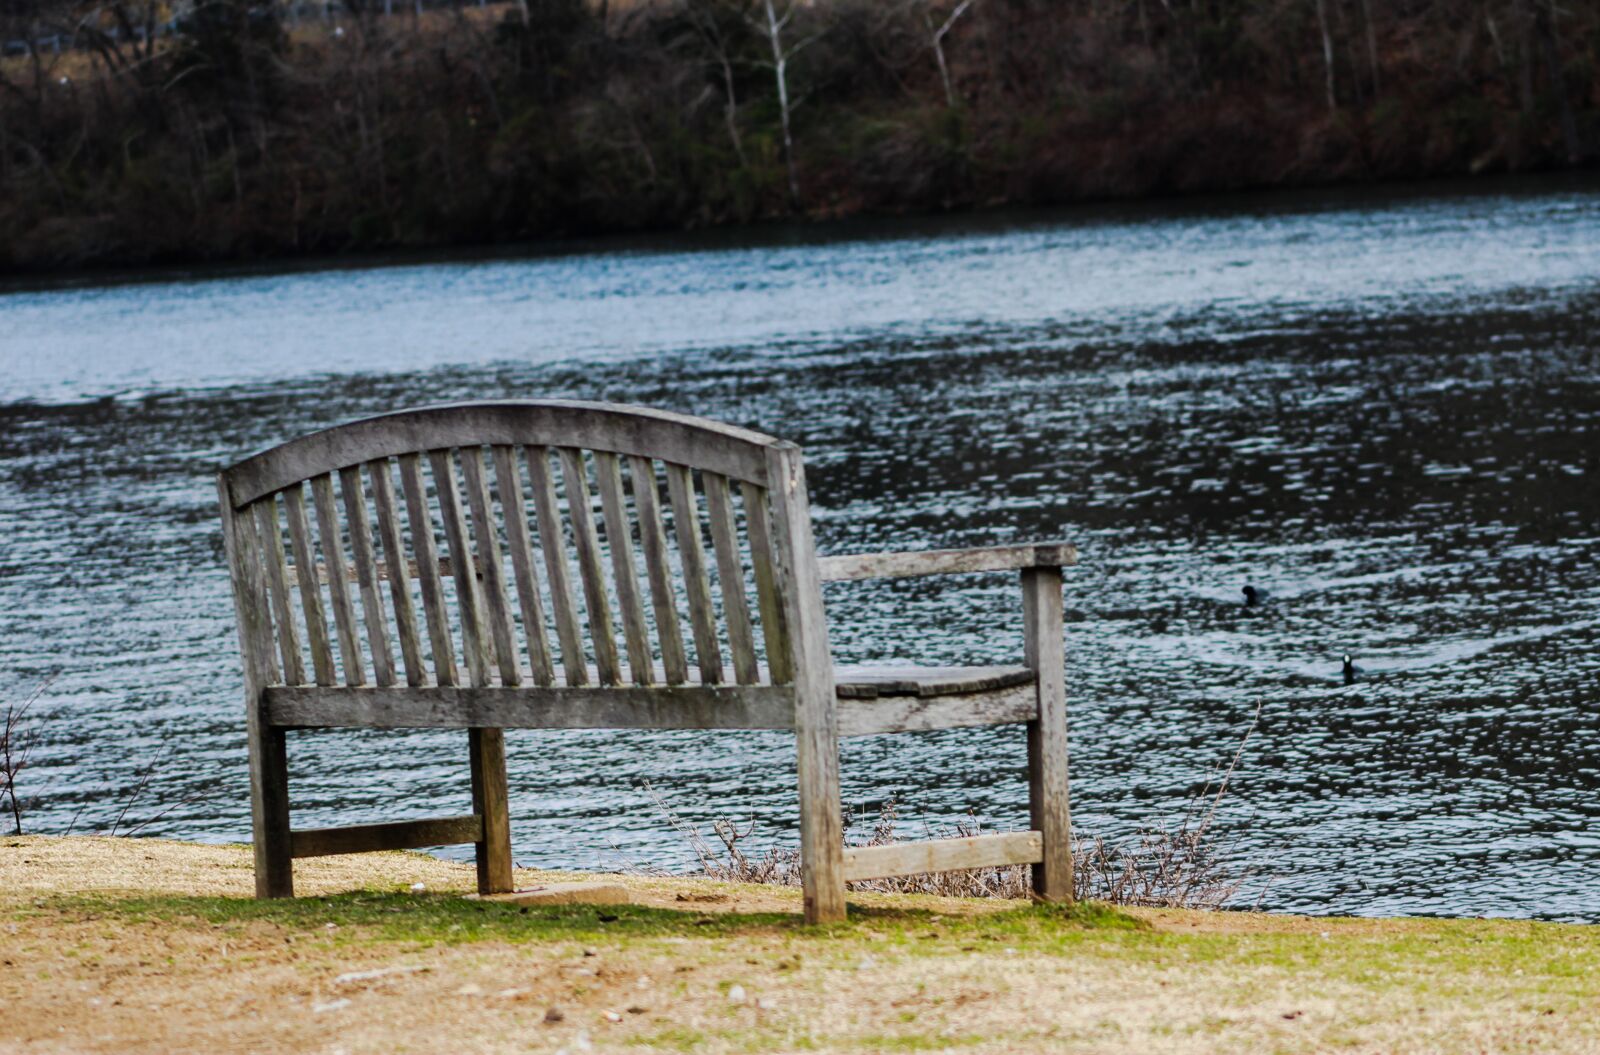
[[498, 608], [564, 606], [305, 568], [271, 537], [509, 477], [730, 572], [366, 561], [619, 533], [420, 517], [394, 560], [590, 567], [475, 641], [255, 572], [344, 617], [774, 630], [686, 525], [653, 536]]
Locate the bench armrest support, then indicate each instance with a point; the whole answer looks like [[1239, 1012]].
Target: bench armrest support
[[854, 566]]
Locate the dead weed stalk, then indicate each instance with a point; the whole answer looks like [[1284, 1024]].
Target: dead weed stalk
[[1174, 866]]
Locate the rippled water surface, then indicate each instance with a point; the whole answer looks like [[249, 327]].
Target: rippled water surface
[[1384, 409]]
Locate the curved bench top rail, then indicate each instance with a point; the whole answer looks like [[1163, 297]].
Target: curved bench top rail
[[616, 427]]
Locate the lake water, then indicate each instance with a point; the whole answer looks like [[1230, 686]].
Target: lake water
[[1382, 407]]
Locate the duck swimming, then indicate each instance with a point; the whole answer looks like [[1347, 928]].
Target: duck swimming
[[1351, 671], [1254, 596]]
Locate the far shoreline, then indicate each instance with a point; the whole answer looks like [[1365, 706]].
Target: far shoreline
[[801, 231]]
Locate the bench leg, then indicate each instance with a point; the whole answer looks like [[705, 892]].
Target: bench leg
[[821, 826], [487, 748], [1047, 734], [269, 810]]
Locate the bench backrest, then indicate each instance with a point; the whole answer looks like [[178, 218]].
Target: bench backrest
[[532, 536]]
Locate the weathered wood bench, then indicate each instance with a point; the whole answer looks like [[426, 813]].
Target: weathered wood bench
[[511, 488]]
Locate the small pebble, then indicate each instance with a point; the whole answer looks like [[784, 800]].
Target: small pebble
[[470, 990], [612, 1016], [736, 994], [766, 1003], [330, 1005], [554, 1014], [419, 888]]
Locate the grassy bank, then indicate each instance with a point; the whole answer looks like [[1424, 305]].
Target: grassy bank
[[146, 945]]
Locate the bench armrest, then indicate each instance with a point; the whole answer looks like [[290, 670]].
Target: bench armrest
[[946, 561]]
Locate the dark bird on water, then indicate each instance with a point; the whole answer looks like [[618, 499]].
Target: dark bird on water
[[1351, 671], [1254, 596]]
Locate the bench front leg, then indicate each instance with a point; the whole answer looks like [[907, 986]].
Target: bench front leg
[[487, 748], [1045, 650]]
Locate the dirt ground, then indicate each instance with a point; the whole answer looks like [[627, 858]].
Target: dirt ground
[[143, 945]]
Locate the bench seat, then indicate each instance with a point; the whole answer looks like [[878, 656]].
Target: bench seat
[[872, 700]]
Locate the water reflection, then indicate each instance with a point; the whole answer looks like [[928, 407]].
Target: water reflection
[[1384, 414]]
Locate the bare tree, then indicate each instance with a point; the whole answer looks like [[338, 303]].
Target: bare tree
[[1372, 45], [1327, 51], [702, 17], [772, 26], [937, 36]]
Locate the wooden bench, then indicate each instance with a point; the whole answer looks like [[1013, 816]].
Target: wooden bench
[[497, 504]]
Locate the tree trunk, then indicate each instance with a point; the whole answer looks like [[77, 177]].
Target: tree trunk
[[1327, 51], [1544, 22], [1372, 47], [780, 63]]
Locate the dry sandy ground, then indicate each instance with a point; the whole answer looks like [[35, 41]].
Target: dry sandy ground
[[134, 945]]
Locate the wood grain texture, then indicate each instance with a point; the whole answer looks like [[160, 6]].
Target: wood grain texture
[[909, 714], [420, 516], [395, 835], [730, 576], [366, 562], [270, 538], [558, 707], [696, 580], [515, 510], [853, 566], [942, 855], [497, 603], [486, 748], [869, 681], [269, 771], [816, 720], [1045, 650], [658, 568], [563, 606], [591, 565], [774, 631], [395, 564], [330, 541], [618, 428], [475, 643], [624, 570], [300, 544]]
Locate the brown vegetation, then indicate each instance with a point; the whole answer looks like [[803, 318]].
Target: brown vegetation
[[240, 135]]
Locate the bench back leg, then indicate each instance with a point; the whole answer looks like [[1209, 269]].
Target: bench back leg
[[816, 723], [487, 748], [269, 766], [1047, 734]]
